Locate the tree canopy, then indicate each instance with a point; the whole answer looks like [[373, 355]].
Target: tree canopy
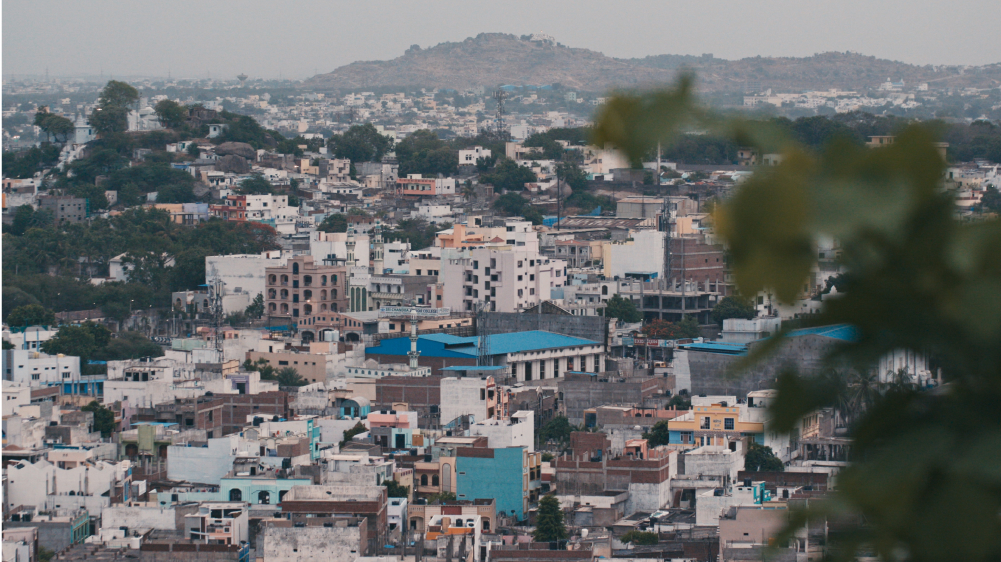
[[422, 152], [760, 458], [549, 525], [170, 113], [360, 143], [113, 106], [623, 309], [30, 315], [733, 307], [507, 175]]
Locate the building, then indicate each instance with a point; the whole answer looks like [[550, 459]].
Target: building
[[233, 208], [242, 277], [65, 209], [474, 397], [468, 157], [718, 423], [506, 280], [368, 502], [415, 185], [222, 523], [517, 431], [532, 355], [512, 476], [303, 289], [304, 539], [37, 369]]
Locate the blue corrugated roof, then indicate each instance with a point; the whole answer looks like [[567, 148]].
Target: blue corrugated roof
[[473, 368], [725, 348], [447, 345], [844, 332]]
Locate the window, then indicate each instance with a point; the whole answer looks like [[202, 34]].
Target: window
[[728, 423], [705, 423]]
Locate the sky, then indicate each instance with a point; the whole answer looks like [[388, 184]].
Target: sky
[[299, 38]]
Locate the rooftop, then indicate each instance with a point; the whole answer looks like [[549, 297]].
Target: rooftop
[[447, 345]]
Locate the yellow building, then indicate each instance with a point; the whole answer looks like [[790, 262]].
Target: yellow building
[[715, 424]]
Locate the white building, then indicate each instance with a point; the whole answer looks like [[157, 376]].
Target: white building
[[273, 210], [242, 277], [44, 485], [643, 254], [37, 369], [468, 157], [472, 396], [519, 431], [506, 280]]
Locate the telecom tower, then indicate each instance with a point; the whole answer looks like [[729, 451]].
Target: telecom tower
[[482, 344], [499, 96], [413, 354]]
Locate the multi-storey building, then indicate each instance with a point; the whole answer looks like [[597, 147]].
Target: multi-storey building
[[65, 209], [304, 292], [233, 208], [505, 280]]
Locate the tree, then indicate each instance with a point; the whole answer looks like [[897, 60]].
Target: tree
[[334, 222], [573, 176], [645, 538], [623, 309], [508, 176], [689, 327], [549, 526], [680, 402], [922, 279], [104, 418], [289, 376], [360, 143], [760, 458], [658, 434], [176, 193], [423, 152], [45, 554], [350, 434], [991, 200], [31, 315], [118, 94], [128, 345], [557, 429], [441, 497], [256, 185], [170, 113], [56, 127], [256, 308], [397, 490], [733, 307], [76, 341]]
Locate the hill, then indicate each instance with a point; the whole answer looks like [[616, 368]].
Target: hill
[[492, 59]]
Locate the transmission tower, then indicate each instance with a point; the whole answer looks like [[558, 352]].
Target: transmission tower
[[499, 96]]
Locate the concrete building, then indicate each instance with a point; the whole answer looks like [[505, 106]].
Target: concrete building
[[305, 539], [512, 476], [65, 209], [506, 280], [241, 275], [469, 156], [475, 397], [303, 289], [518, 431], [222, 523], [369, 502], [39, 369]]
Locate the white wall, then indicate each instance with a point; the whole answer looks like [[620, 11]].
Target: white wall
[[204, 465], [240, 274], [161, 518], [644, 254]]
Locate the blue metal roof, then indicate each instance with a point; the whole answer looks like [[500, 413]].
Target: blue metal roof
[[724, 348], [843, 332], [473, 368], [447, 345]]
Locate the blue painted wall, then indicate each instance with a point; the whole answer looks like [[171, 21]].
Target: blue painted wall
[[501, 478]]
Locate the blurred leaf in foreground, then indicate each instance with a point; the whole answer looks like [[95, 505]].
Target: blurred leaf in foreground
[[925, 475]]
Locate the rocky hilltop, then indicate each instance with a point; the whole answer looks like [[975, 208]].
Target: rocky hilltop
[[493, 59]]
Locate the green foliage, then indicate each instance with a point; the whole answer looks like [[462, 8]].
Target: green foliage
[[44, 554], [176, 193], [548, 457], [244, 128], [27, 217], [991, 200], [26, 164], [334, 222], [256, 308], [7, 345], [14, 297], [441, 497], [419, 232], [921, 280], [422, 152], [557, 429], [289, 376], [256, 184], [577, 180], [760, 458], [733, 307], [508, 176], [71, 340], [350, 434], [112, 111], [549, 525], [57, 127], [623, 309], [360, 143], [549, 149], [397, 490], [30, 315], [171, 113], [680, 402], [644, 538], [104, 418], [658, 434]]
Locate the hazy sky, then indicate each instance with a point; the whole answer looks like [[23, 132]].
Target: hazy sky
[[296, 38]]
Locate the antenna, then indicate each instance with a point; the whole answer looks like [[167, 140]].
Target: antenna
[[499, 96], [482, 345]]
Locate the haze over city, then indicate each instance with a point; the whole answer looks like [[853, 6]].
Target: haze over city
[[268, 39]]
